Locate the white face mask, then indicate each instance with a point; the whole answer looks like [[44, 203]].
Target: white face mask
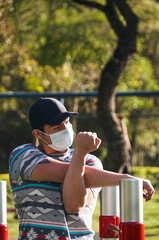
[[61, 140]]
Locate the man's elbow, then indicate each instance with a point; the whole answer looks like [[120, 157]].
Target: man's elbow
[[73, 208]]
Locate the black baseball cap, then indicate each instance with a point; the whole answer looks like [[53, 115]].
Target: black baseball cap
[[48, 111]]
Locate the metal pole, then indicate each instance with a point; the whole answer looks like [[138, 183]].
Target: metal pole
[[109, 219], [3, 211], [131, 210], [141, 93]]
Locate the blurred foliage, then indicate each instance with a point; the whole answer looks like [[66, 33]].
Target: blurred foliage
[[61, 29], [151, 173], [59, 46], [5, 177]]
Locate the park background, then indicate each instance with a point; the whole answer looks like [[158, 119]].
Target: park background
[[76, 46]]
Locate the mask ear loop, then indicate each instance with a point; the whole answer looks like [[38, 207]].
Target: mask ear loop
[[44, 139], [44, 133]]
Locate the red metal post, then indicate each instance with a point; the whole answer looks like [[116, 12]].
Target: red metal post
[[131, 225], [109, 219], [109, 226], [3, 211], [132, 231]]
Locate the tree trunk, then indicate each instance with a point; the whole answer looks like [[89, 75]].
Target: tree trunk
[[117, 151], [126, 31]]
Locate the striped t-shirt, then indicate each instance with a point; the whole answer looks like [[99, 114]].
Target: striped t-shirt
[[39, 205]]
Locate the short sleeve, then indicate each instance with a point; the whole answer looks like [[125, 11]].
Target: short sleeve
[[23, 160]]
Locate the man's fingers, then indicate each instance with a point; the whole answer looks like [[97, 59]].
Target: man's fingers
[[98, 142], [87, 140], [147, 196], [150, 191]]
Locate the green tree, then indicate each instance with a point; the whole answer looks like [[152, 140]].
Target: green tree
[[18, 72], [63, 46], [124, 23], [140, 112]]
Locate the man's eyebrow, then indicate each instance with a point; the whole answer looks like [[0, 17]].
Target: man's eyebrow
[[44, 161]]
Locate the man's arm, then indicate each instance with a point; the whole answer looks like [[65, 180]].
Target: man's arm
[[50, 170], [76, 177], [75, 192], [55, 171]]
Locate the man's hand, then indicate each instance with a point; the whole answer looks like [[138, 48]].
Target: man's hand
[[86, 142], [150, 191]]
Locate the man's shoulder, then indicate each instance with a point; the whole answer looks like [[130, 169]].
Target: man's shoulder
[[94, 161], [21, 148], [91, 159]]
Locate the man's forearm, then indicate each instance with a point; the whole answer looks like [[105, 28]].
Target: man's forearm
[[55, 171], [74, 188], [101, 178]]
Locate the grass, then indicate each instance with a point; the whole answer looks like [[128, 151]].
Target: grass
[[151, 220], [12, 226]]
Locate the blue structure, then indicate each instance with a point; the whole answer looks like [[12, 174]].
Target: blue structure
[[60, 95]]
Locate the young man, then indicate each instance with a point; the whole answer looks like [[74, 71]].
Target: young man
[[55, 188]]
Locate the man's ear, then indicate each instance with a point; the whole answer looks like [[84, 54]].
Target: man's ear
[[36, 133]]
